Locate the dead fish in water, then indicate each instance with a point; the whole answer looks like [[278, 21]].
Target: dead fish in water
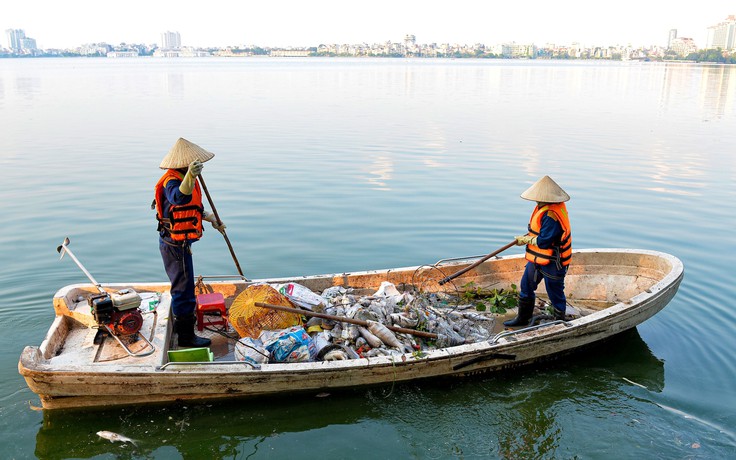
[[114, 437]]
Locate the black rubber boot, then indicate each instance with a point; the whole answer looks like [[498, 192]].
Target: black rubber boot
[[526, 308], [184, 327]]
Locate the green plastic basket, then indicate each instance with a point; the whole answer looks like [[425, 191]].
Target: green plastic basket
[[190, 355]]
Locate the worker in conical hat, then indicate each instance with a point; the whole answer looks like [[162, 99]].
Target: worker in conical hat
[[548, 250], [179, 211]]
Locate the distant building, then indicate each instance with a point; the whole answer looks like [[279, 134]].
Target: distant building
[[515, 50], [170, 40], [18, 42], [122, 54], [683, 46], [723, 35], [290, 53], [672, 36], [94, 49], [410, 45], [183, 52], [28, 44], [14, 36]]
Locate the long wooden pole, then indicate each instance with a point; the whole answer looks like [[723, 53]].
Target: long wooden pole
[[343, 319], [219, 223], [470, 267]]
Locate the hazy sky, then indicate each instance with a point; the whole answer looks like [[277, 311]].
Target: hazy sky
[[70, 23]]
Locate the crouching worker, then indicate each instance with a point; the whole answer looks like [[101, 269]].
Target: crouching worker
[[179, 211], [548, 250]]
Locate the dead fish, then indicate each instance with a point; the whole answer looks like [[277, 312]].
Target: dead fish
[[403, 320], [335, 355], [383, 333], [477, 316], [372, 340], [372, 353], [115, 437], [350, 333]]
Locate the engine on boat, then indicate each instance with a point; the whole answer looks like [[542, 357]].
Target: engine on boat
[[119, 312]]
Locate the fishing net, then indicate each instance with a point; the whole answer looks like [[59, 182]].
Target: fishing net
[[249, 320], [428, 290]]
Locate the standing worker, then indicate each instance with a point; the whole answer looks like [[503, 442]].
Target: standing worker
[[179, 211], [548, 250]]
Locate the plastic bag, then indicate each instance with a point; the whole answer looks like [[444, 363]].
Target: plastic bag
[[251, 351], [291, 345], [300, 295], [387, 289], [393, 297]]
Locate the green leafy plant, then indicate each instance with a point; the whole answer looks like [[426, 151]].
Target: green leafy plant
[[418, 354], [493, 300]]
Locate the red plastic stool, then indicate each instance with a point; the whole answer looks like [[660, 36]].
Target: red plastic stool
[[212, 302]]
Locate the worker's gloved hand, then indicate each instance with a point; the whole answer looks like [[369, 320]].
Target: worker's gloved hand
[[190, 178], [523, 240], [195, 168], [210, 217]]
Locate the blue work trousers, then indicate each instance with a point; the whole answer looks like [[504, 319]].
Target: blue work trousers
[[178, 264], [554, 282]]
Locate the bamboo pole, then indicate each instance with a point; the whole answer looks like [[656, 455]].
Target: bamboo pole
[[343, 319]]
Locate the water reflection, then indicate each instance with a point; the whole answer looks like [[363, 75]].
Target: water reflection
[[717, 91], [532, 423], [240, 427], [522, 415], [380, 172]]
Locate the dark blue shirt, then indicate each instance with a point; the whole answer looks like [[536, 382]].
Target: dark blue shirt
[[173, 195], [550, 233]]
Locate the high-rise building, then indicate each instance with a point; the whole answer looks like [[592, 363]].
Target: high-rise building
[[723, 35], [28, 44], [170, 40], [14, 39], [671, 37]]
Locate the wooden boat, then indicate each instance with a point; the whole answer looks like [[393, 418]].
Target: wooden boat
[[618, 288]]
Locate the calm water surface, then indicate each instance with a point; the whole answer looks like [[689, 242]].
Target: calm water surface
[[342, 165]]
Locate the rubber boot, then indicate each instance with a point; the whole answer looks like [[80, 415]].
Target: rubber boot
[[526, 308], [184, 327]]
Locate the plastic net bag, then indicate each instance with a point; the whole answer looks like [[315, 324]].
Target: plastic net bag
[[249, 320]]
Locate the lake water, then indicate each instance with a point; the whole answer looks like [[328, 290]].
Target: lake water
[[339, 165]]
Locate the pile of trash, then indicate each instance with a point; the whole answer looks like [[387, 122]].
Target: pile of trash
[[442, 315]]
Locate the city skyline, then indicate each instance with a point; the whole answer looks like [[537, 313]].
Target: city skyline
[[290, 23]]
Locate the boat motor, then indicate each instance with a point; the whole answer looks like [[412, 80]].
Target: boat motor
[[116, 313], [119, 311]]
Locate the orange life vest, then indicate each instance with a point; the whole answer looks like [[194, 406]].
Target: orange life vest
[[560, 253], [184, 221]]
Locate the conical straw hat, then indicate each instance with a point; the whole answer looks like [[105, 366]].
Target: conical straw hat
[[545, 190], [183, 153]]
